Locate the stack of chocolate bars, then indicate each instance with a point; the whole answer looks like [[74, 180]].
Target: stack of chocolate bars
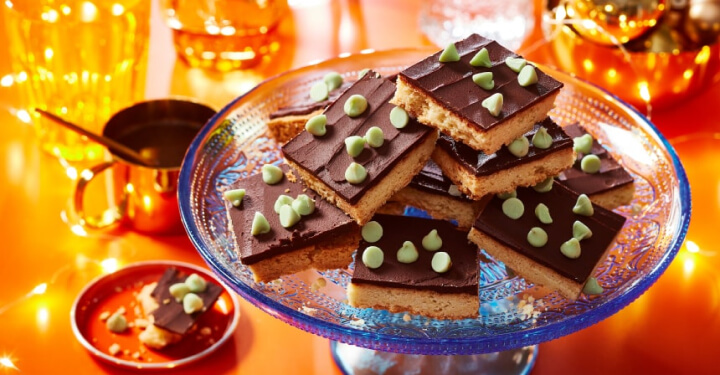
[[463, 134]]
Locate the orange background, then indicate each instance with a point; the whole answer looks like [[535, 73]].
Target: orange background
[[674, 328]]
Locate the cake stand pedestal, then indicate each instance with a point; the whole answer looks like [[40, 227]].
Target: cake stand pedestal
[[354, 360]]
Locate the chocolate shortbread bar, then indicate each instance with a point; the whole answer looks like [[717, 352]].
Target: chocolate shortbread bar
[[414, 285], [359, 159], [610, 187], [322, 239], [444, 95], [432, 191], [287, 122], [477, 174], [552, 245]]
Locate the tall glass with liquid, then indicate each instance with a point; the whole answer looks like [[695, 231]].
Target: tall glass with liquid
[[223, 35], [80, 59]]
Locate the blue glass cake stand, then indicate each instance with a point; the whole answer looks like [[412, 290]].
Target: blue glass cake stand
[[514, 315]]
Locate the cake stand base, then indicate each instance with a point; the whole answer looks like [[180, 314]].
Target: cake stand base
[[354, 360]]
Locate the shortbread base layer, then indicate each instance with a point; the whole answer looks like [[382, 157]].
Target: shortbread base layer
[[333, 254], [391, 207], [531, 271], [431, 112], [285, 128], [398, 177], [505, 180], [439, 207], [614, 198], [421, 302]]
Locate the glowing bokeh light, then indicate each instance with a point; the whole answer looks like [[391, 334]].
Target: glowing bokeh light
[[71, 172], [40, 289], [644, 91], [7, 80], [109, 265], [5, 361], [78, 230], [24, 116], [117, 9], [222, 305]]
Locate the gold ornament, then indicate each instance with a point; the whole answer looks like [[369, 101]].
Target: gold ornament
[[647, 62], [611, 22]]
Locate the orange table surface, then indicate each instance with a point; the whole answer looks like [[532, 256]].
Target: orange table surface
[[672, 329]]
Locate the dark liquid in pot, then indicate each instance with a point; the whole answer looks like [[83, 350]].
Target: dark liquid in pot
[[166, 142]]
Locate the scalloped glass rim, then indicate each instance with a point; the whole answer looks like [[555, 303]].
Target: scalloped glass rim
[[423, 345]]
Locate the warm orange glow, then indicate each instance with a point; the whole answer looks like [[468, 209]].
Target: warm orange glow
[[588, 65]]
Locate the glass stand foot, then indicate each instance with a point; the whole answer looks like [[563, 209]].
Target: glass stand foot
[[354, 360]]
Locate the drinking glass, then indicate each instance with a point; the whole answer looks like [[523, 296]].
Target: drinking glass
[[80, 59], [446, 21], [223, 34]]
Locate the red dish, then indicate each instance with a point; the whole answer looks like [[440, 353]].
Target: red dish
[[110, 292]]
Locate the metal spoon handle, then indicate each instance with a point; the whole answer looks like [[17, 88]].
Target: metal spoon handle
[[107, 142]]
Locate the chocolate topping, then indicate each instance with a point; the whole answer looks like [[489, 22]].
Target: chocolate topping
[[610, 176], [432, 180], [451, 83], [325, 223], [326, 158], [170, 315], [604, 225], [307, 105], [480, 164], [461, 278]]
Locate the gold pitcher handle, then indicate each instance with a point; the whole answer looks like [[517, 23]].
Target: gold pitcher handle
[[110, 216]]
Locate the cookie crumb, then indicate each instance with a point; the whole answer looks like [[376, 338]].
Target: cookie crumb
[[104, 315], [205, 331], [407, 317], [317, 284], [357, 323], [308, 310], [291, 176], [114, 349]]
